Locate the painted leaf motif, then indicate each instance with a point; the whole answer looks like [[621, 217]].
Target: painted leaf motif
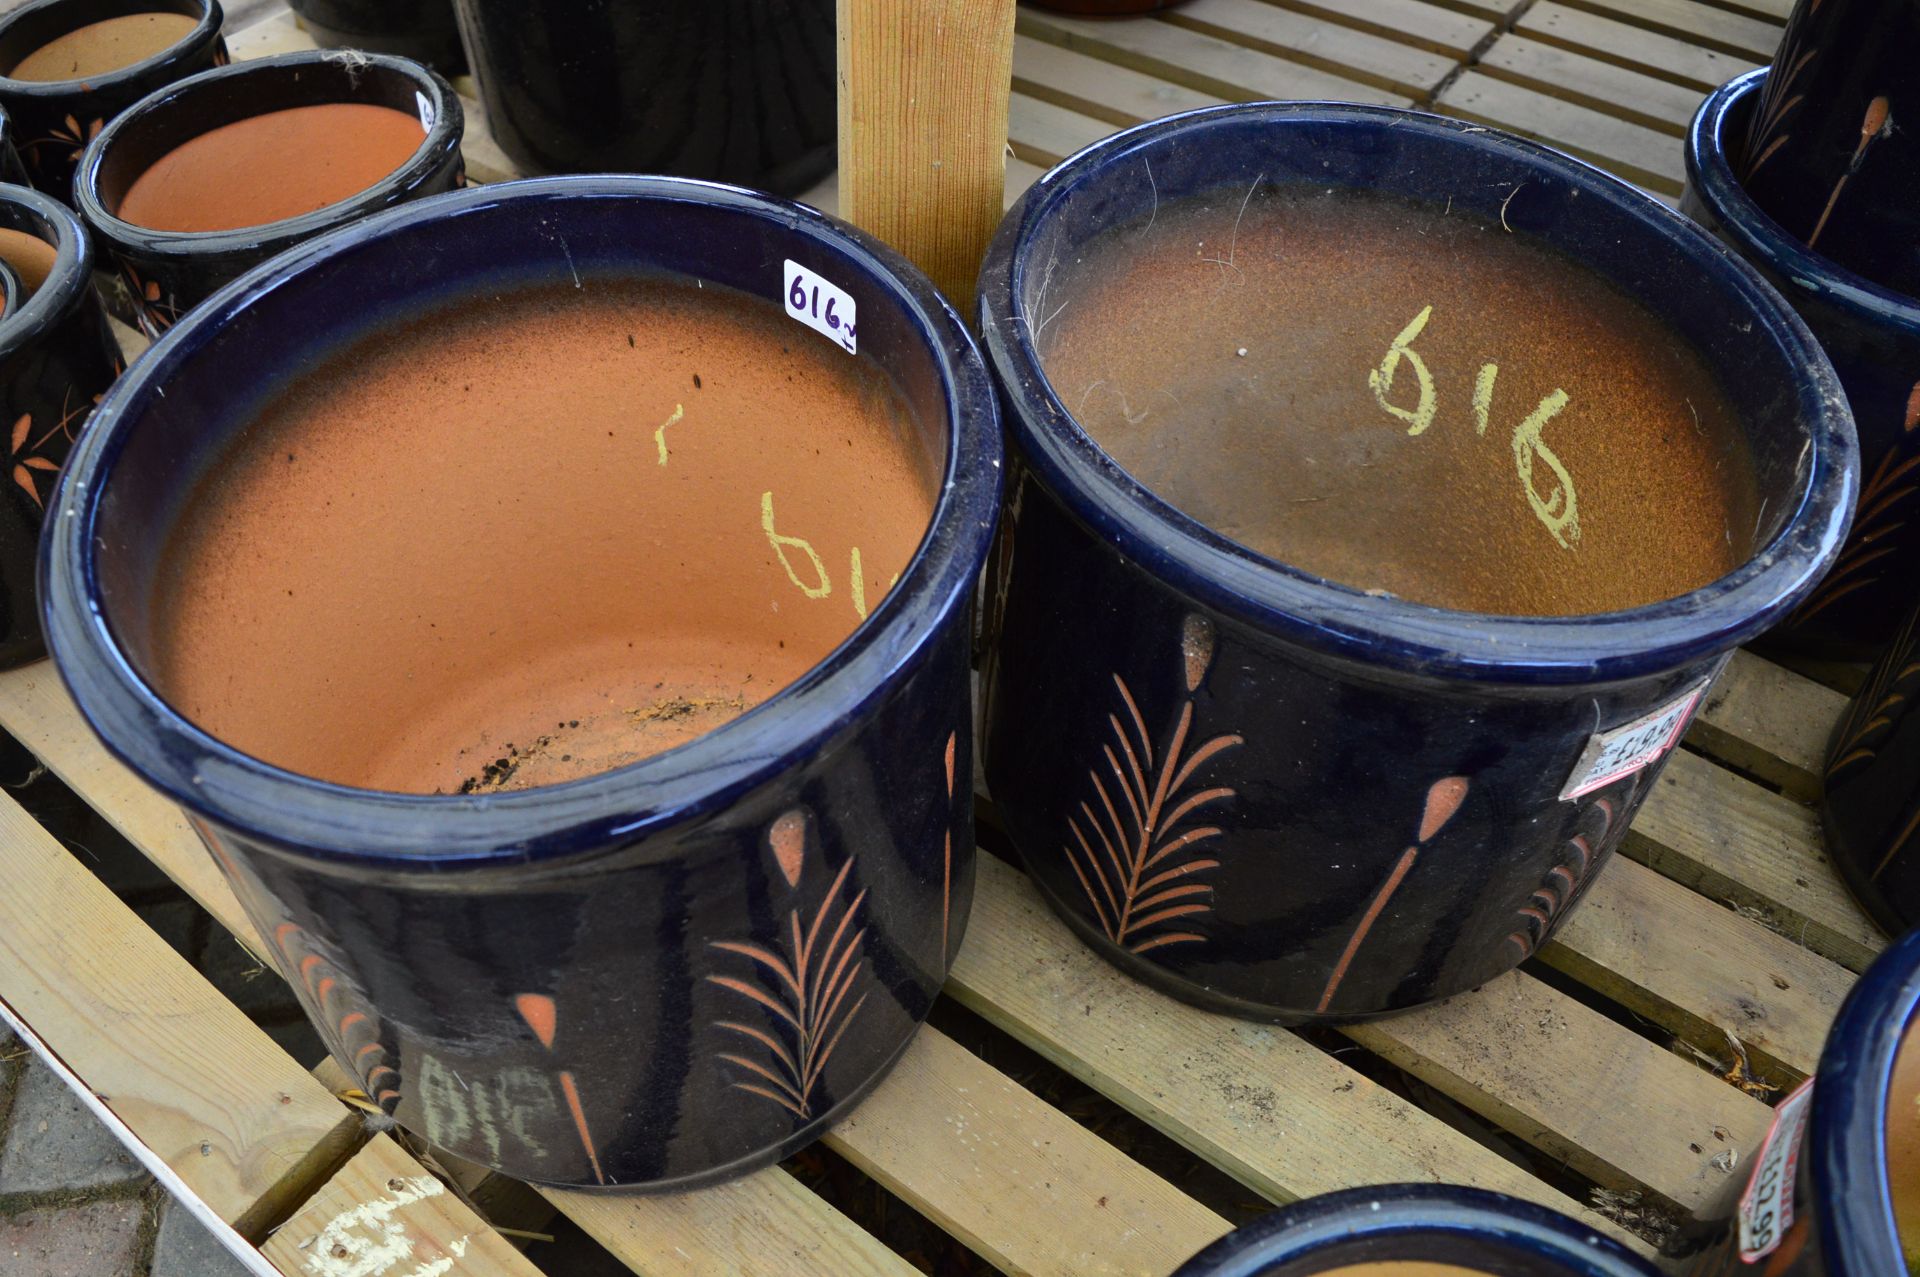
[[20, 430]]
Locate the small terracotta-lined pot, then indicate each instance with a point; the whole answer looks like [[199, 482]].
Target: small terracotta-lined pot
[[1872, 335], [167, 273], [561, 982], [54, 120], [57, 357], [1870, 810], [424, 30], [736, 91], [11, 169], [1469, 1228], [1339, 805]]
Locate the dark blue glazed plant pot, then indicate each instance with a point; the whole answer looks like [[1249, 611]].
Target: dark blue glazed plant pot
[[580, 984], [1415, 1223], [1831, 1213], [1872, 335], [56, 119], [424, 30], [1353, 804], [1870, 808], [166, 273], [11, 169]]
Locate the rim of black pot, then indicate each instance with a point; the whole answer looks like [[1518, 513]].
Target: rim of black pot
[[27, 210], [1710, 176], [12, 290], [323, 821], [34, 13], [1386, 633], [235, 93], [1451, 1216], [1847, 1141]]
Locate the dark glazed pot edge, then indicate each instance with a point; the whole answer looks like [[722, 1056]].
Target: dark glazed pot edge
[[441, 143], [1388, 633], [298, 815], [204, 32], [71, 277]]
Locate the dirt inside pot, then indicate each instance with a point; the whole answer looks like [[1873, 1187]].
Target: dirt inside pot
[[528, 541], [108, 45], [1903, 1145], [1401, 398], [31, 257], [271, 166]]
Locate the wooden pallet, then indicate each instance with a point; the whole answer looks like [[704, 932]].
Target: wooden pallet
[[1720, 938]]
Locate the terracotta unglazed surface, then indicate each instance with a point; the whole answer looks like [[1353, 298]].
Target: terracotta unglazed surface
[[270, 167], [1400, 1268], [1402, 400], [526, 542], [101, 47], [31, 257], [1903, 1146]]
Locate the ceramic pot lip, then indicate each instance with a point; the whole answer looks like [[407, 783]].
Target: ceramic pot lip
[[205, 31], [1711, 178], [1296, 1231], [1853, 1196], [1389, 633], [440, 146], [11, 290], [319, 821], [69, 281]]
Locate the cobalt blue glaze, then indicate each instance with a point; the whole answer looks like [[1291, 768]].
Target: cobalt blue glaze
[[424, 30], [1393, 830], [1872, 335], [57, 357], [1432, 1223], [166, 273], [1843, 1224], [1870, 806], [536, 980]]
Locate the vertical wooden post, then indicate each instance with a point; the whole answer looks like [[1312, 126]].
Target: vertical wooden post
[[923, 129]]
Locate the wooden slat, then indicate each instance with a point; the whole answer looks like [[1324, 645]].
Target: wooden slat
[[243, 1125], [1343, 51], [1636, 153], [1022, 1184], [1116, 94], [1444, 30], [384, 1215], [1695, 23], [1612, 90], [1284, 1119], [1769, 722], [1044, 134], [1611, 40]]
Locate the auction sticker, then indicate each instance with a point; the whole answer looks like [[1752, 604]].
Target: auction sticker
[[1766, 1212]]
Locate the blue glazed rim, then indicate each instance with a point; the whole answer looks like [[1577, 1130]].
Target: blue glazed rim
[[1847, 1140], [1388, 633], [339, 824], [206, 29], [1340, 1222], [66, 284], [1711, 179]]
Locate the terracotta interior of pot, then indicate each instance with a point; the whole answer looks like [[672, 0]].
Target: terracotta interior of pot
[[262, 145], [1418, 1252], [90, 38], [29, 243], [1903, 1144], [1416, 367], [488, 528]]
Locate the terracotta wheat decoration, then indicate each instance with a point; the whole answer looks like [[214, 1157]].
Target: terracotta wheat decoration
[[1444, 797], [810, 983], [1874, 707], [1780, 99], [373, 1063], [1883, 511], [946, 858], [1136, 860], [543, 1017], [1563, 882], [1874, 125]]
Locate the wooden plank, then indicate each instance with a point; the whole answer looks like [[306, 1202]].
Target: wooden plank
[[1412, 21], [1769, 722], [1044, 134], [384, 1215], [1283, 1118], [1695, 23], [1636, 48], [1613, 90], [1736, 842], [1636, 153], [1562, 1076], [1340, 50], [1116, 94], [1204, 63], [242, 1124], [1026, 1187]]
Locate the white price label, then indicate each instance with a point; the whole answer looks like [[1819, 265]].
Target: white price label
[[1626, 749], [426, 110], [819, 305], [1766, 1210]]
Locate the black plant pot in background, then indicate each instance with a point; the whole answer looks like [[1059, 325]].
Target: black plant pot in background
[[731, 90], [11, 169], [424, 30], [1871, 808]]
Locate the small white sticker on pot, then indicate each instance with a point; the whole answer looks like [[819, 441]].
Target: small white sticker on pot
[[819, 305], [1624, 750], [1766, 1210], [426, 110]]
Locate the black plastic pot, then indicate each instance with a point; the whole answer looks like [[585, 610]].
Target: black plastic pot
[[424, 30], [732, 90]]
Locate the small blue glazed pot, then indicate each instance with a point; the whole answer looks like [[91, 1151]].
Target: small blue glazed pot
[[1334, 805], [1820, 1199], [166, 273], [1830, 151], [1872, 335], [1415, 1223], [603, 983], [57, 118], [57, 357]]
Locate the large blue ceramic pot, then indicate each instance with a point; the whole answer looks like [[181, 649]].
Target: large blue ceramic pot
[[656, 976], [1343, 805], [1870, 803], [1872, 335], [1419, 1224]]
